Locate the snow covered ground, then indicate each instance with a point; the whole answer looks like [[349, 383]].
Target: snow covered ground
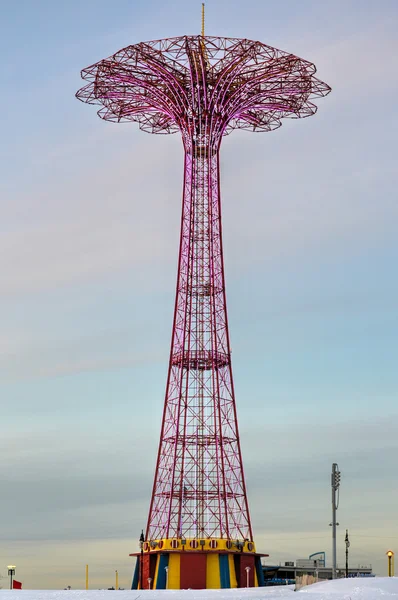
[[377, 588]]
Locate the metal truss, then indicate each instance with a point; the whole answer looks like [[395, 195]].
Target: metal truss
[[203, 87]]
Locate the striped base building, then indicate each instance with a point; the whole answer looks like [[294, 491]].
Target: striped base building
[[178, 564]]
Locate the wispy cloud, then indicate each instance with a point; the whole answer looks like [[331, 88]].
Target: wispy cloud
[[93, 226]]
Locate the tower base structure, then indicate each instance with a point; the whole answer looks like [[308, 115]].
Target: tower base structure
[[178, 564]]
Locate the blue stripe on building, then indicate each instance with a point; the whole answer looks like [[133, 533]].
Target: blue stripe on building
[[162, 575], [260, 572], [225, 579], [134, 583]]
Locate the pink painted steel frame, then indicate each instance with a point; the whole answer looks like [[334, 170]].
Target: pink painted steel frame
[[204, 88]]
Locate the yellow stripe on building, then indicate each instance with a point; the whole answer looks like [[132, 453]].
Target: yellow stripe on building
[[232, 574], [213, 572], [174, 572], [156, 572]]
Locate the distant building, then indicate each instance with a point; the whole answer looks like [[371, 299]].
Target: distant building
[[287, 572]]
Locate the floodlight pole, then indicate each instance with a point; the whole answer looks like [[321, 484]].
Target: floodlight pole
[[335, 504]]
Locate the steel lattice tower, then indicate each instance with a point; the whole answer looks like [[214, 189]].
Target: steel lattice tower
[[203, 87]]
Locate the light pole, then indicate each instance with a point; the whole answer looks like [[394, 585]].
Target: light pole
[[149, 583], [142, 540], [167, 577], [247, 569], [117, 580], [11, 572], [335, 504], [347, 545], [390, 555]]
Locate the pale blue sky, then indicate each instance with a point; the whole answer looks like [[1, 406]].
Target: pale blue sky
[[88, 249]]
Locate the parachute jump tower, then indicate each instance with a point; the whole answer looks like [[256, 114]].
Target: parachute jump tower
[[199, 533]]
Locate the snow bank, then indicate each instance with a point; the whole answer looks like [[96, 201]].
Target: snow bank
[[377, 588], [371, 588], [268, 593]]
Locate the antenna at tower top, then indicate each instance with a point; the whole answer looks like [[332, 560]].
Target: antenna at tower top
[[203, 19]]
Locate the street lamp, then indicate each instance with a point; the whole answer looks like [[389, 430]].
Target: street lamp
[[167, 577], [390, 555], [142, 540], [11, 572], [247, 569], [347, 545]]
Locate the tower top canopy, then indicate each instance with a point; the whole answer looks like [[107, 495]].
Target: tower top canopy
[[173, 84]]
